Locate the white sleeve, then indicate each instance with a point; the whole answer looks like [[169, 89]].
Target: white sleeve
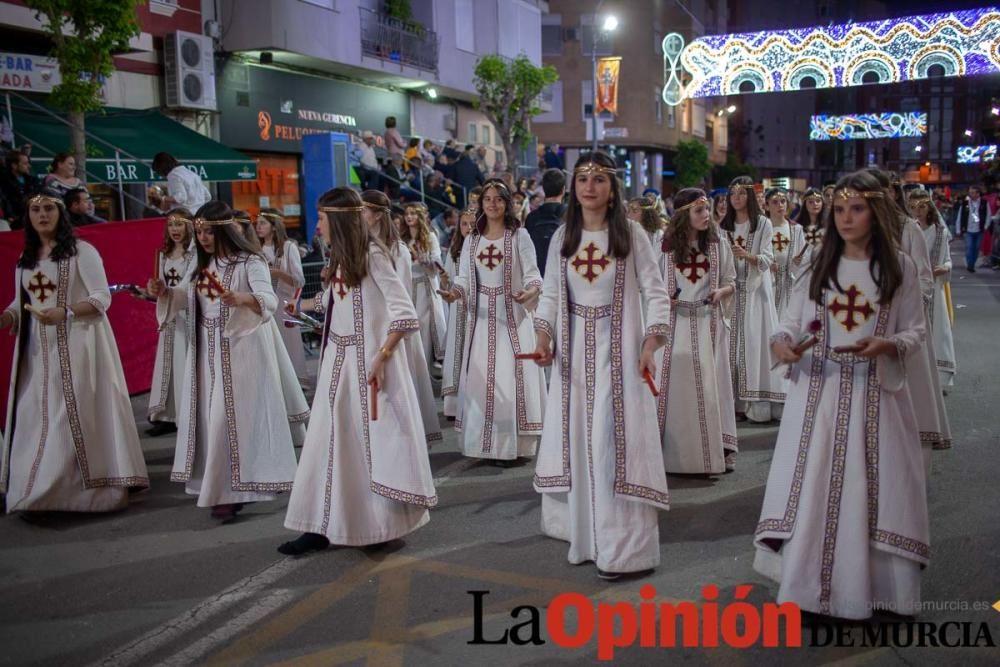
[[650, 279], [293, 260], [547, 310], [95, 281]]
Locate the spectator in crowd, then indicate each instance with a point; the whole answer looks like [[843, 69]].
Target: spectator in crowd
[[428, 152], [437, 197], [411, 157], [62, 175], [154, 206], [184, 187], [520, 208], [466, 173], [543, 222], [394, 144], [367, 162], [551, 158], [393, 177], [474, 195], [974, 217], [18, 184], [80, 206], [445, 225], [480, 159], [451, 150]]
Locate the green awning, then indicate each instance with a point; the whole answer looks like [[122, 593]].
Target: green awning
[[138, 133]]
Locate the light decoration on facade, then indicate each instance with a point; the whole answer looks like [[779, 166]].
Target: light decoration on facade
[[962, 43], [868, 126], [975, 154]]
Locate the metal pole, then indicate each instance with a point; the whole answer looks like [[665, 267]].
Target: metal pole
[[121, 189], [10, 120], [593, 108]]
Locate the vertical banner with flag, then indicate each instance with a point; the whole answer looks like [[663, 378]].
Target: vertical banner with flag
[[607, 84]]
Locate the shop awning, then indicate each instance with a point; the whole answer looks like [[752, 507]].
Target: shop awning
[[138, 133]]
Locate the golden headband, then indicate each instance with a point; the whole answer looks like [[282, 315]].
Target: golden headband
[[341, 209], [40, 199], [179, 218], [814, 196], [699, 200], [202, 222], [846, 193], [592, 168], [377, 207], [739, 186], [496, 184], [270, 216]]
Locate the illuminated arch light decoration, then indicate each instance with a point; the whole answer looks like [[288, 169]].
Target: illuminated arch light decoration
[[962, 43], [868, 126], [974, 154]]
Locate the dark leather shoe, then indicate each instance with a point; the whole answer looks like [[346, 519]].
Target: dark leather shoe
[[161, 428]]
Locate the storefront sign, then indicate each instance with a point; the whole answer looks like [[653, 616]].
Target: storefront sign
[[271, 110], [30, 74]]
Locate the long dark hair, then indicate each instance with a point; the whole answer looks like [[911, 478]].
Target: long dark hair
[[884, 266], [884, 179], [457, 240], [277, 221], [64, 247], [350, 238], [675, 240], [510, 219], [753, 209], [804, 218], [619, 230], [383, 229], [229, 238], [168, 243], [933, 215]]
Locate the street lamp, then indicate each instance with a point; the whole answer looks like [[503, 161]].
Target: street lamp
[[610, 23]]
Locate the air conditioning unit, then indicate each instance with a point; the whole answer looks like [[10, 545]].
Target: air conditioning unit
[[189, 71], [450, 122]]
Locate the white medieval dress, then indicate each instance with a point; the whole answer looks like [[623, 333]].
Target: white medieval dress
[[501, 399], [695, 407], [844, 524], [234, 426], [600, 464], [921, 369], [420, 371], [454, 345], [938, 239], [171, 346], [787, 241], [70, 442], [757, 389], [427, 301], [291, 263], [813, 238], [361, 480]]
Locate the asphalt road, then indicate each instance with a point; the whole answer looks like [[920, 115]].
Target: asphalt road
[[162, 583]]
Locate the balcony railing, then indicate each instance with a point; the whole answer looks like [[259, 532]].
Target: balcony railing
[[390, 39]]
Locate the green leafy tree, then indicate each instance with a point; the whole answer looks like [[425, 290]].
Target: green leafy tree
[[508, 97], [692, 163], [85, 36]]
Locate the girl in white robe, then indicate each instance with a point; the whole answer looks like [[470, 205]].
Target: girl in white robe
[[70, 443], [457, 318], [646, 212], [758, 390], [175, 259], [787, 242], [287, 280], [600, 466], [844, 526], [426, 252], [695, 406], [364, 477], [234, 440], [376, 216], [811, 218], [938, 238], [500, 398]]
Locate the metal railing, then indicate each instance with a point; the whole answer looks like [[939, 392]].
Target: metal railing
[[388, 38]]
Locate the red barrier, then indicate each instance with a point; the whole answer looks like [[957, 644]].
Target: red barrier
[[127, 249]]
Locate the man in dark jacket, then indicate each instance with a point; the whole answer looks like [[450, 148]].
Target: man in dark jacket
[[466, 173], [18, 183], [543, 222]]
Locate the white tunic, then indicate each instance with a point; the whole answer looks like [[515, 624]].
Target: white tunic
[[925, 385], [787, 242], [420, 372], [938, 237], [755, 318], [363, 481], [171, 346], [290, 262], [501, 399], [234, 436], [844, 522], [600, 465], [695, 407], [429, 305], [452, 369], [70, 442]]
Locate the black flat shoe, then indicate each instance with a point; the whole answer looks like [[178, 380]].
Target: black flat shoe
[[303, 544], [614, 576], [161, 428]]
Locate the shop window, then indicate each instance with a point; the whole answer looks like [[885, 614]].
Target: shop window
[[277, 186]]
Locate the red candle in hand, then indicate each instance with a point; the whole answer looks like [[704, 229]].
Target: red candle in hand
[[374, 386], [648, 377]]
